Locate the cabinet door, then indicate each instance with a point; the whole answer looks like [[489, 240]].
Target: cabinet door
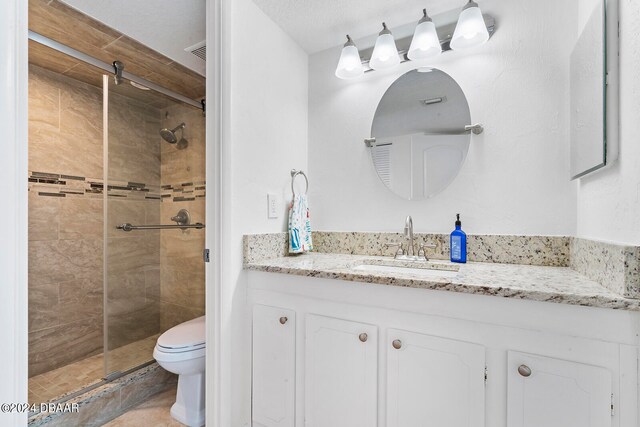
[[341, 373], [434, 381], [556, 393], [274, 365]]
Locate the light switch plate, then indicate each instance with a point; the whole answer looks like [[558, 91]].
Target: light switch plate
[[273, 203]]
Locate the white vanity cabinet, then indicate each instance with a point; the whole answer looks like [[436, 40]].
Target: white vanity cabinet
[[549, 392], [340, 373], [433, 381], [366, 355], [274, 366]]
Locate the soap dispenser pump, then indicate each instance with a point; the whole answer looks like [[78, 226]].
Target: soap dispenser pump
[[458, 243]]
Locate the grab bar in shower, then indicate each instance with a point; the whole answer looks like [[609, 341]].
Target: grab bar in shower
[[131, 227], [182, 219]]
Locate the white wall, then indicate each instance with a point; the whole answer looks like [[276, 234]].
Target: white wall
[[13, 187], [515, 179], [609, 200], [264, 137]]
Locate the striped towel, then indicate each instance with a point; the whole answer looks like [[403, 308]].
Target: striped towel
[[299, 225]]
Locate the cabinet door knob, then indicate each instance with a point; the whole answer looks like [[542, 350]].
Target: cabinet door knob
[[363, 337], [283, 320], [524, 370], [397, 344]]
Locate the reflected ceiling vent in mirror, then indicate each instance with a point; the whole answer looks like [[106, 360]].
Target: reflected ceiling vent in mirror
[[472, 29], [199, 50]]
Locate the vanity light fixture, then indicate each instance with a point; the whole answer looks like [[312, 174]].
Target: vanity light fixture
[[385, 53], [471, 30], [425, 42], [350, 64]]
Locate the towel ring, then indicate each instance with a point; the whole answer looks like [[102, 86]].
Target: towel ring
[[294, 174]]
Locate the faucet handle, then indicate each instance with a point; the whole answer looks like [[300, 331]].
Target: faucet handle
[[421, 251], [400, 247]]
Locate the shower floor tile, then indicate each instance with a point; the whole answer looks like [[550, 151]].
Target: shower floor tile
[[75, 376], [152, 413]]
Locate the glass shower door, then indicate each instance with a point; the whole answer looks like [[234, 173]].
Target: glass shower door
[[154, 167], [132, 260]]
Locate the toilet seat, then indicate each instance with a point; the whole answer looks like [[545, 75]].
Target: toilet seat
[[184, 349], [185, 337], [163, 356]]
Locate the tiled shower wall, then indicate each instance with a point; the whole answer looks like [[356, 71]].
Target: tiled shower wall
[[66, 221], [181, 252]]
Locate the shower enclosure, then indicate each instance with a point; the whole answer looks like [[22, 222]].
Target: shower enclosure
[[117, 197]]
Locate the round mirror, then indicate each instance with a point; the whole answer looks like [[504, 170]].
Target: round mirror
[[420, 134]]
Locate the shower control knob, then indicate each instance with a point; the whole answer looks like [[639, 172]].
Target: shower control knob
[[524, 370], [283, 320], [363, 337], [397, 344]]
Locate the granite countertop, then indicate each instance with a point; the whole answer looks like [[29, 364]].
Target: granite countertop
[[538, 283]]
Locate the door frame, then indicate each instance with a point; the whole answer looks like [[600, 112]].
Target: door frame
[[217, 165], [13, 186], [14, 233]]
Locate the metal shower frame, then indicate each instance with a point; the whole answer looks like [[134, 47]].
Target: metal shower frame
[[109, 68]]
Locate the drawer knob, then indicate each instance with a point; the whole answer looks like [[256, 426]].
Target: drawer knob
[[397, 344], [283, 320], [363, 337], [524, 370]]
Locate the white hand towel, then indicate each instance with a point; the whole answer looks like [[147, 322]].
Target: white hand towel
[[299, 225]]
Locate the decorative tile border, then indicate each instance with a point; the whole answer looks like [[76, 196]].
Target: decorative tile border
[[59, 185], [616, 267], [183, 191]]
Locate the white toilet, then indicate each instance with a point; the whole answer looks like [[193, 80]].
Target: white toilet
[[181, 350]]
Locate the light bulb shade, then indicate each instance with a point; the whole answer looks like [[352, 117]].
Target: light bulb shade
[[425, 42], [349, 65], [385, 53], [470, 30]]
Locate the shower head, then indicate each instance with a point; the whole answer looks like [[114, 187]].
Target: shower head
[[169, 135]]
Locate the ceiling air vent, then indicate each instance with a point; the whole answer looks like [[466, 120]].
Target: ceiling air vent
[[199, 50]]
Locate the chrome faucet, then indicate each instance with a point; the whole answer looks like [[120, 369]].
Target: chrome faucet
[[408, 234], [410, 254]]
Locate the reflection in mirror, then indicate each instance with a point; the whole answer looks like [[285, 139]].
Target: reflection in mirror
[[420, 137], [588, 90]]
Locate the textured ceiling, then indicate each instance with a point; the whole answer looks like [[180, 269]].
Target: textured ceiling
[[320, 24], [166, 26]]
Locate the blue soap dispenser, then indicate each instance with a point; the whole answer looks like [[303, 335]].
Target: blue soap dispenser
[[458, 243]]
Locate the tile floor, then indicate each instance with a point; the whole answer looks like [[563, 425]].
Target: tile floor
[[152, 413], [80, 374]]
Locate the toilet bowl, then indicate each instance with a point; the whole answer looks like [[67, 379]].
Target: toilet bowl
[[181, 350]]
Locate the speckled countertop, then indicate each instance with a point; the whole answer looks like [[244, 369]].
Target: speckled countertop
[[538, 283]]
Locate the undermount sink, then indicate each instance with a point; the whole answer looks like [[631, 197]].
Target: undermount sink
[[443, 270]]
